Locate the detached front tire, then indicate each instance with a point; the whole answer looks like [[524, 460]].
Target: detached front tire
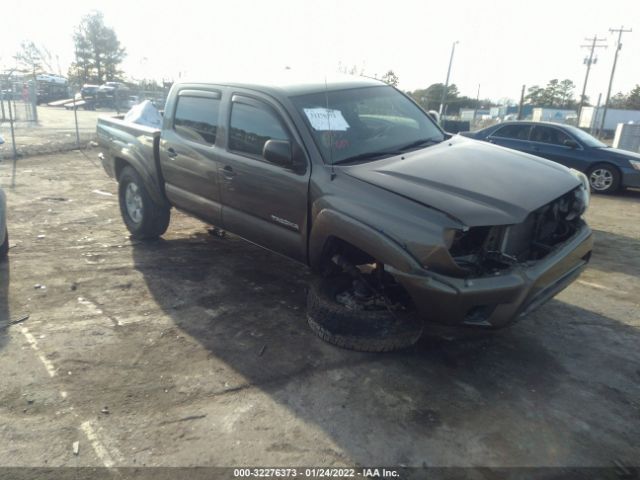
[[144, 218], [353, 329]]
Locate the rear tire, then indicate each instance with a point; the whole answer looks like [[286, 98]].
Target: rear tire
[[604, 178], [144, 218], [360, 330]]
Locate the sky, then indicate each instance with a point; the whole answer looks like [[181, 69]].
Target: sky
[[502, 44]]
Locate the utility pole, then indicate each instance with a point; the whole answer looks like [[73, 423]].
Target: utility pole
[[521, 106], [592, 127], [588, 62], [475, 110], [446, 83], [620, 31]]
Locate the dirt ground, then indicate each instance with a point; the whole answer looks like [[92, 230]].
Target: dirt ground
[[194, 350]]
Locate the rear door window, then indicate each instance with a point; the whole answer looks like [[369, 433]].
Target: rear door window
[[515, 132], [196, 118], [549, 135]]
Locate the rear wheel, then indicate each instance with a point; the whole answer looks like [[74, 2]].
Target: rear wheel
[[341, 314], [604, 178], [144, 218]]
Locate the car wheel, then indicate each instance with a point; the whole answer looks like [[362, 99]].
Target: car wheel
[[604, 178], [380, 330], [144, 218], [4, 248]]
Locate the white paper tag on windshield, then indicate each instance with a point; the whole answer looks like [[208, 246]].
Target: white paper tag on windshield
[[325, 119]]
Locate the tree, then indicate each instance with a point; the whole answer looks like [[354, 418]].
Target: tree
[[629, 101], [98, 51], [352, 70], [391, 78], [558, 94], [30, 57], [429, 99], [565, 92], [535, 95], [633, 99], [619, 100], [552, 93]]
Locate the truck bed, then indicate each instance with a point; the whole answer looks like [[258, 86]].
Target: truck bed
[[132, 143]]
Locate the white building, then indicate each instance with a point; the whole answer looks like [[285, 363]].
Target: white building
[[557, 115], [591, 117]]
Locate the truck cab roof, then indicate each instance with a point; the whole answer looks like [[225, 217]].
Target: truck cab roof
[[288, 83]]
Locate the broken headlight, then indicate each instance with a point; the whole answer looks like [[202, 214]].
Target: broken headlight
[[581, 195]]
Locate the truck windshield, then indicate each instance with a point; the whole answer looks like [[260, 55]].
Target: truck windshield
[[362, 124]]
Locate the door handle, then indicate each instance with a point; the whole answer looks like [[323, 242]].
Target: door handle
[[228, 173], [171, 153]]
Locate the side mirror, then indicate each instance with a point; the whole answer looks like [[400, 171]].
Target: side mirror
[[570, 143], [278, 152]]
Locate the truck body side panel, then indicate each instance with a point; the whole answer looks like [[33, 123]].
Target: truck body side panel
[[189, 163]]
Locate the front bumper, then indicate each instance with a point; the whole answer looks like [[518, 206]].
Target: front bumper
[[496, 301]]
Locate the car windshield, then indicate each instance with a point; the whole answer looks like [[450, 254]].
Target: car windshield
[[586, 139], [361, 124]]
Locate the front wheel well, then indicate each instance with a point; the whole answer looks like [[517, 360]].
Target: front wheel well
[[119, 165], [336, 246]]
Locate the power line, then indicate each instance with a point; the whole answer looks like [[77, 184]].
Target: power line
[[620, 31], [588, 62]]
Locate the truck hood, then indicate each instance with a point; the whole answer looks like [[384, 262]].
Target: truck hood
[[476, 182]]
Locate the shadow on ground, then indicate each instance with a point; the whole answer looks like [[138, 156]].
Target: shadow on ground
[[4, 302], [614, 252], [555, 389], [629, 194]]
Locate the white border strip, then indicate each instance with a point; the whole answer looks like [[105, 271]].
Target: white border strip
[[51, 370], [98, 447]]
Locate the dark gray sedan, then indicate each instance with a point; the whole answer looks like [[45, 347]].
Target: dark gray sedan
[[608, 169]]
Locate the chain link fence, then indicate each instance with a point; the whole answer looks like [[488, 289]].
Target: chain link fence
[[18, 99], [29, 128]]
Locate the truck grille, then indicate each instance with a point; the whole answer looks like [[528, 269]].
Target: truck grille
[[482, 250]]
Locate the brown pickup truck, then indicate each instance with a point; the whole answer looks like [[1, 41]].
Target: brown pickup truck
[[401, 221]]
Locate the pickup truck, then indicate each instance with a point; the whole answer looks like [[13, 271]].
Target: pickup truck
[[401, 222]]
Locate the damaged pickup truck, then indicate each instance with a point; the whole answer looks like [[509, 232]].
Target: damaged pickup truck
[[401, 222]]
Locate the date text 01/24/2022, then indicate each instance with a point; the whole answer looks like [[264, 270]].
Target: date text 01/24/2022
[[314, 473]]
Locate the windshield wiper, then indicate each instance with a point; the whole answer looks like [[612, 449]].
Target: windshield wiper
[[381, 153], [423, 142], [367, 156]]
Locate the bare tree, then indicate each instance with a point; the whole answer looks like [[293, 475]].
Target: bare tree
[[391, 78], [30, 57]]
